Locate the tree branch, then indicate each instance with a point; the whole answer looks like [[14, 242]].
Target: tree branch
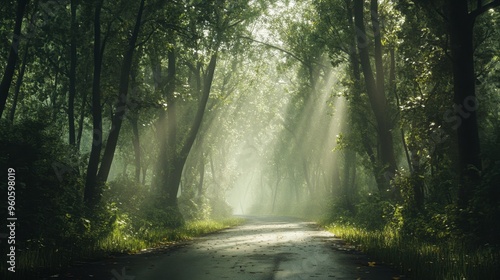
[[147, 38], [482, 9], [276, 48]]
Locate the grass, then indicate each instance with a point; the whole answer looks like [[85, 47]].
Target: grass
[[51, 259], [423, 260]]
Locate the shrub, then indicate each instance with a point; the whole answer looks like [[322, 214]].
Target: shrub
[[48, 185]]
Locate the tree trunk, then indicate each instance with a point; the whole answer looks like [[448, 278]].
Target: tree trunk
[[363, 121], [376, 95], [275, 192], [379, 66], [336, 183], [19, 82], [201, 171], [134, 119], [81, 119], [461, 39], [178, 165], [92, 193], [54, 97], [144, 173], [137, 147], [12, 59], [121, 106], [167, 129], [212, 169], [72, 76], [349, 172]]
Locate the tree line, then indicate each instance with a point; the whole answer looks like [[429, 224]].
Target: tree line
[[135, 115]]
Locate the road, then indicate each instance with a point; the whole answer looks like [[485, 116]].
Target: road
[[264, 248]]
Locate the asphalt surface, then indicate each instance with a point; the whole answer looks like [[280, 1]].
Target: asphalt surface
[[264, 248]]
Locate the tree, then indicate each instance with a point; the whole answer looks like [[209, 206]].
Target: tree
[[13, 55], [176, 144], [338, 31], [91, 193], [375, 87], [461, 30], [95, 179], [121, 105], [72, 74]]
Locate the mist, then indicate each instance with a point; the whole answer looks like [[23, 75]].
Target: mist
[[272, 148], [129, 126]]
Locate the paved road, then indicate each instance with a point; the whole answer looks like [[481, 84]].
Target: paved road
[[264, 248]]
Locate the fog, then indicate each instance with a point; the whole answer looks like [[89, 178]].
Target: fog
[[272, 147], [268, 139]]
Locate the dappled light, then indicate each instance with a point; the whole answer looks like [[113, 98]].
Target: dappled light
[[250, 139]]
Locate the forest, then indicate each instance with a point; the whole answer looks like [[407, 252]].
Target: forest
[[133, 124]]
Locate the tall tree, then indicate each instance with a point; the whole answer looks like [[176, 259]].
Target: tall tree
[[13, 55], [461, 30], [121, 105], [375, 87], [177, 143], [19, 82], [91, 192], [72, 74]]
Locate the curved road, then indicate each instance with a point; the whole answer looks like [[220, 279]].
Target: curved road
[[264, 248]]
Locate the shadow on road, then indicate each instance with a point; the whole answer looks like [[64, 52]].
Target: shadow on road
[[263, 248]]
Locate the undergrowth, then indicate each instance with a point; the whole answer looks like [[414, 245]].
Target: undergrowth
[[32, 263], [419, 259]]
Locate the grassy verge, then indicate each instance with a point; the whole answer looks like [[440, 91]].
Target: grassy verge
[[44, 260], [422, 260], [118, 243]]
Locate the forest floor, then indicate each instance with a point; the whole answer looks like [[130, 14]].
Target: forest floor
[[261, 248]]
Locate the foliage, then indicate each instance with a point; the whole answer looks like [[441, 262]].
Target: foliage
[[419, 259], [484, 209], [48, 191], [137, 209], [288, 125], [47, 261]]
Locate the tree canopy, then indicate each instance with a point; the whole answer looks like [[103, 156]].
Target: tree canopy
[[129, 116]]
